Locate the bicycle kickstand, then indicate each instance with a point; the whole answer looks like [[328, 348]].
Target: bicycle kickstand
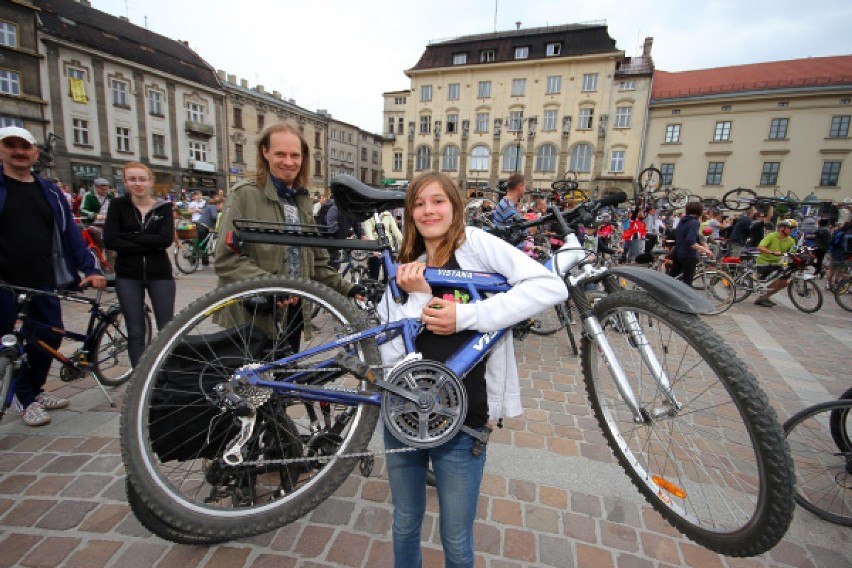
[[103, 390]]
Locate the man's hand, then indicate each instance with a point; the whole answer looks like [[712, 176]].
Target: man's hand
[[439, 316], [94, 280], [410, 277]]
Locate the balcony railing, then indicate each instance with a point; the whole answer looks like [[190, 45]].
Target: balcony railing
[[195, 127]]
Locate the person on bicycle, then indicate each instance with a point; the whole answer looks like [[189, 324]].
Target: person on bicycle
[[278, 194], [772, 248], [507, 209], [139, 228], [434, 236], [40, 247], [688, 245]]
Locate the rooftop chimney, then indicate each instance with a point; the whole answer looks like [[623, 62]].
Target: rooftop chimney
[[518, 25], [259, 89], [646, 47], [244, 83], [232, 79], [221, 74], [276, 94]]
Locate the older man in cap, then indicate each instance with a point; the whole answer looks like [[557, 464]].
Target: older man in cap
[[94, 206], [35, 221]]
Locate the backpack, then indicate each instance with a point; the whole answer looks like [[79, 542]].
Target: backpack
[[323, 212], [841, 242]]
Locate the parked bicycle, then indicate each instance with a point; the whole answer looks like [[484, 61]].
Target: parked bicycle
[[228, 432], [102, 353], [820, 440], [193, 250]]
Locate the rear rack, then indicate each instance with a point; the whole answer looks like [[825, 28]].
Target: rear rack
[[274, 233]]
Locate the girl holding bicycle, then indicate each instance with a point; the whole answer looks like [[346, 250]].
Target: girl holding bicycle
[[435, 237], [140, 229]]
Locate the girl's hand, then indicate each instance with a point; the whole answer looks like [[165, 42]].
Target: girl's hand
[[410, 277], [439, 316]]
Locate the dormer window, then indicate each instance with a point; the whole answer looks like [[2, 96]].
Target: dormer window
[[486, 56], [459, 58], [522, 52], [553, 49]]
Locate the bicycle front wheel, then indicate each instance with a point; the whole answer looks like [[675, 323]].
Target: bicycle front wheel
[[707, 451], [739, 199], [745, 286], [193, 460], [110, 355], [187, 257], [805, 294], [820, 443], [719, 289]]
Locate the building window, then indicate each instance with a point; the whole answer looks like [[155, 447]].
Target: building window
[[261, 121], [391, 122], [317, 139], [676, 111], [723, 131], [453, 91], [425, 124], [158, 145], [783, 104], [198, 151], [238, 117], [484, 90], [10, 82], [769, 175], [400, 125], [581, 158], [839, 127], [195, 113], [459, 58], [616, 161], [554, 84], [10, 121], [726, 108], [363, 154], [74, 73], [155, 103], [122, 138], [778, 128], [81, 131], [590, 82], [426, 93], [238, 154], [318, 168], [513, 158], [714, 173], [545, 158], [830, 174], [479, 158], [548, 121], [452, 123], [399, 100], [119, 93], [423, 158], [8, 34], [553, 49], [673, 134], [519, 87], [623, 117], [584, 120], [482, 119], [667, 171], [486, 56], [397, 161], [627, 86], [516, 120], [375, 156], [522, 52], [450, 159]]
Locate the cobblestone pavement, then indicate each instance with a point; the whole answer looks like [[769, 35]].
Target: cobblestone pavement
[[552, 494]]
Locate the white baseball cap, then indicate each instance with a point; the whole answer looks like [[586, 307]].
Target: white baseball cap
[[17, 132]]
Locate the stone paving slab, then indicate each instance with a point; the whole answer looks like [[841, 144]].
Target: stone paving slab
[[552, 496]]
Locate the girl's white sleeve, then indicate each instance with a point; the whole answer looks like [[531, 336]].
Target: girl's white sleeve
[[390, 311]]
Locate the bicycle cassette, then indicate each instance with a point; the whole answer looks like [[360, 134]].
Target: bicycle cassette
[[436, 410]]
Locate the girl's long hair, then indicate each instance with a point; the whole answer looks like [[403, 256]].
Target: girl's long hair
[[412, 242]]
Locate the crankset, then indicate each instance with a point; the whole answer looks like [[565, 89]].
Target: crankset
[[424, 404]]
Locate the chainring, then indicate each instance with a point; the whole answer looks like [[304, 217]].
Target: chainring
[[438, 410]]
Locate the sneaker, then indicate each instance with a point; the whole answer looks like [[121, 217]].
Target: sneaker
[[51, 401], [764, 302], [35, 415]]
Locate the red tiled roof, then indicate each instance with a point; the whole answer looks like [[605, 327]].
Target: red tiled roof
[[816, 71]]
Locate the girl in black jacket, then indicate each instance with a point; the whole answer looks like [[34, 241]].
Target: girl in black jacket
[[140, 229]]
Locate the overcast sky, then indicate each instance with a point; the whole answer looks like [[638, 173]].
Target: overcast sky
[[342, 55]]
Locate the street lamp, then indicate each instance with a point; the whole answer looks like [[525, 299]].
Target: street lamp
[[516, 123]]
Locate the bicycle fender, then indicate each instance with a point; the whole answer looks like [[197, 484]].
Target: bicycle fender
[[662, 287]]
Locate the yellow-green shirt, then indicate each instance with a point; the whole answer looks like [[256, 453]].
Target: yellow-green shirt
[[773, 241]]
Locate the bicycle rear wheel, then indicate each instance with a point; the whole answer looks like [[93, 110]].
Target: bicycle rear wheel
[[745, 286], [819, 439], [843, 294], [551, 320], [719, 289], [805, 294], [177, 426], [711, 459], [110, 357], [739, 199], [187, 257]]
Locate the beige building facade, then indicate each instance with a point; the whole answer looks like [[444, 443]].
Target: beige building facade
[[542, 102], [771, 127]]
